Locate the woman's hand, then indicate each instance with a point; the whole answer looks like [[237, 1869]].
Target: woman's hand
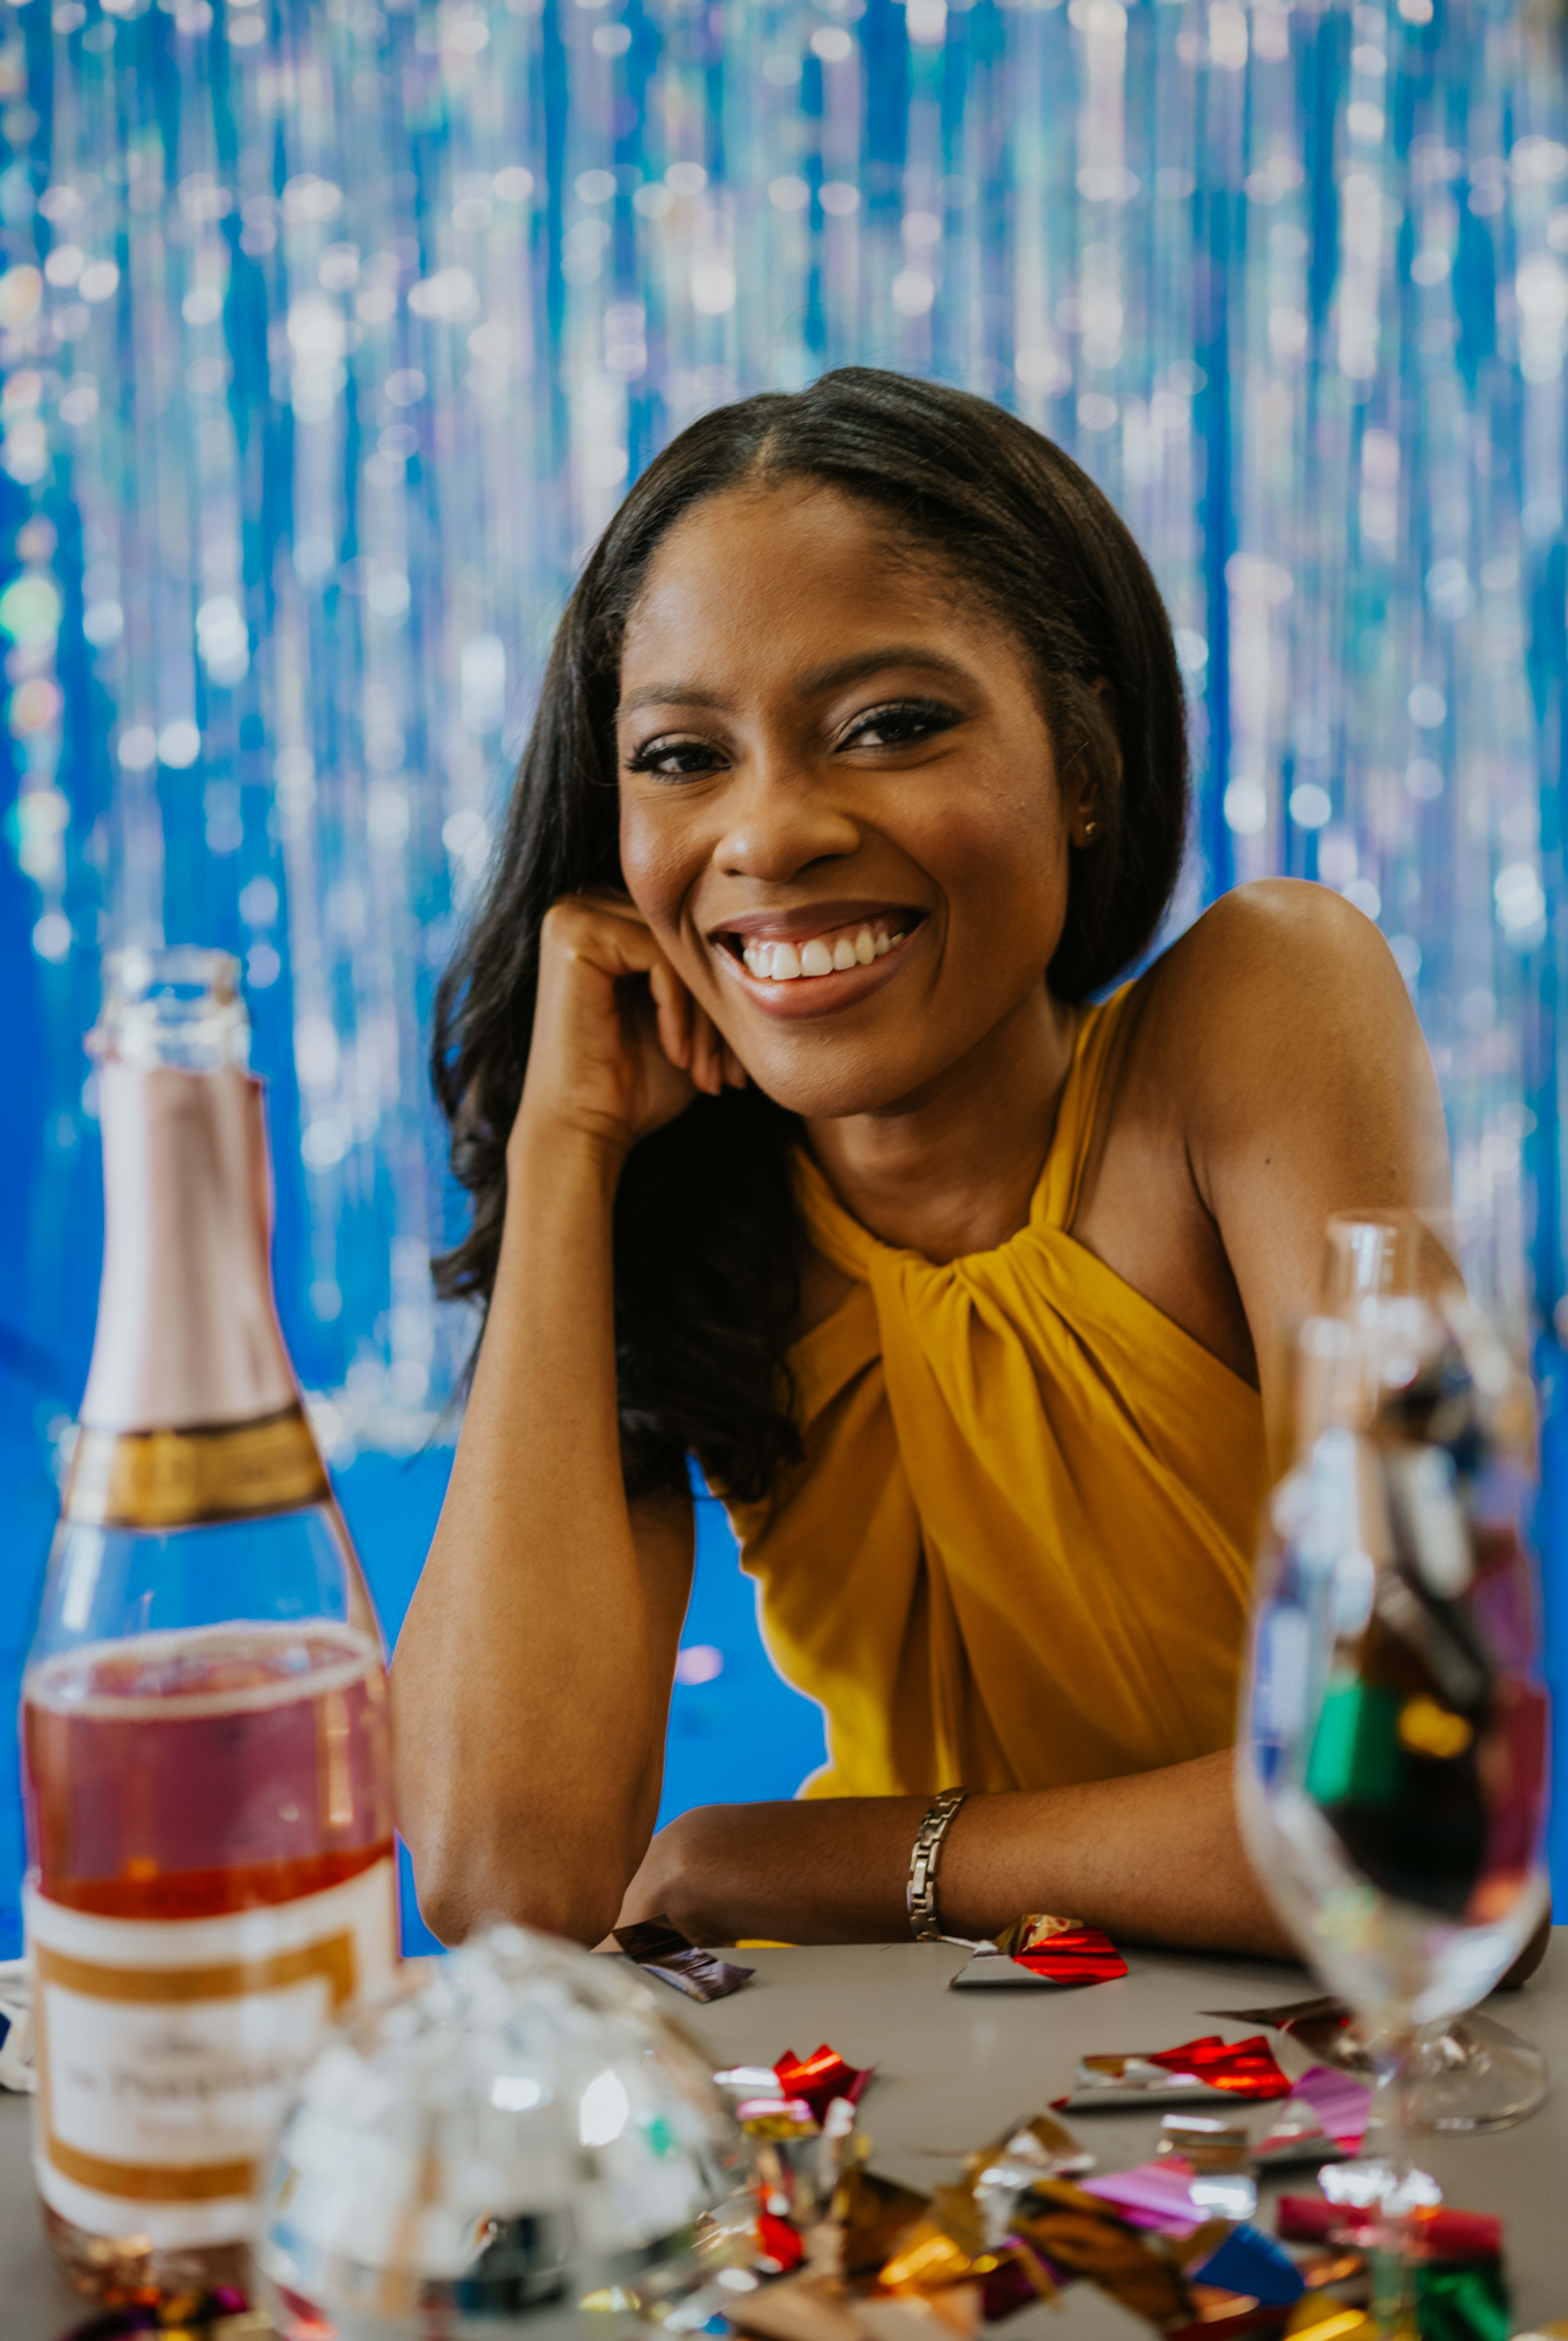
[[796, 1872], [618, 1045]]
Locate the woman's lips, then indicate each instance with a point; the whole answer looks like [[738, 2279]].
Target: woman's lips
[[860, 958]]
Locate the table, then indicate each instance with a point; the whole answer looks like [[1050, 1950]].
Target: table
[[954, 2067]]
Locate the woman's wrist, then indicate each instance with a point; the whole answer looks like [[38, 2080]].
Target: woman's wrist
[[550, 1153], [561, 1183]]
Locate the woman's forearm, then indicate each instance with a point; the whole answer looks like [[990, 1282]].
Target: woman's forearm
[[1155, 1858], [529, 1725]]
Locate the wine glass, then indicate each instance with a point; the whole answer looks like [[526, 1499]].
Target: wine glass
[[1391, 1757], [1474, 2072]]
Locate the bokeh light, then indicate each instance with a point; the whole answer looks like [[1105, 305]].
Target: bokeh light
[[332, 333]]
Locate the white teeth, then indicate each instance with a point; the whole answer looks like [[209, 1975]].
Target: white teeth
[[785, 962]]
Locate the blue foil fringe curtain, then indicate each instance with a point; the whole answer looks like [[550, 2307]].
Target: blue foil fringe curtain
[[330, 333]]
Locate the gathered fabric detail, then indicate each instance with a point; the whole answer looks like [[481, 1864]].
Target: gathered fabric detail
[[1017, 1552]]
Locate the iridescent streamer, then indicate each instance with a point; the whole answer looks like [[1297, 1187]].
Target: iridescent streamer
[[332, 333]]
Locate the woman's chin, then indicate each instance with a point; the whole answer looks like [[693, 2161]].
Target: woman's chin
[[822, 1080]]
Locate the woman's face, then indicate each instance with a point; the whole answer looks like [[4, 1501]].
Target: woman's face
[[839, 808]]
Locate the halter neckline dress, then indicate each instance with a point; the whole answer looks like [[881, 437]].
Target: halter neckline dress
[[1019, 1551]]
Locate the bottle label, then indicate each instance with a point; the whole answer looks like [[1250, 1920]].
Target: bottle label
[[167, 2051]]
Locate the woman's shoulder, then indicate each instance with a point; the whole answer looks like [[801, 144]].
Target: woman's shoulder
[[1282, 999], [1280, 925], [1275, 962], [1269, 1070]]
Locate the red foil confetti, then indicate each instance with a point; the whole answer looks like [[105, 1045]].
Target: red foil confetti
[[819, 2078], [1443, 2235], [1081, 1956], [779, 2241], [1438, 2232], [1242, 2069], [1312, 2220]]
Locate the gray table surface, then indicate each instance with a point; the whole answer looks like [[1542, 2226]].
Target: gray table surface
[[954, 2067]]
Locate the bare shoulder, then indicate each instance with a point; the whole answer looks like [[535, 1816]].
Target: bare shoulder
[[1270, 1073], [1276, 935], [1278, 976], [1281, 1009]]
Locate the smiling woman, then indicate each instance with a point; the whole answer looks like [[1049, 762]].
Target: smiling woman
[[858, 769]]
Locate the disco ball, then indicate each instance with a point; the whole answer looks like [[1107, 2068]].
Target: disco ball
[[521, 2143]]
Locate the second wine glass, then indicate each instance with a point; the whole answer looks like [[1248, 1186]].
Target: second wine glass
[[1393, 1756]]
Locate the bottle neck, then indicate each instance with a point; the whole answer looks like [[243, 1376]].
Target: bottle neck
[[187, 1329]]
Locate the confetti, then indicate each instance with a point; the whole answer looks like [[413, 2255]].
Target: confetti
[[1198, 2071], [818, 2079], [1325, 2115], [873, 2213], [659, 1948], [1080, 2234], [1250, 2262], [1036, 1950]]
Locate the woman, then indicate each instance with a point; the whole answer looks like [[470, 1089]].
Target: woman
[[858, 770]]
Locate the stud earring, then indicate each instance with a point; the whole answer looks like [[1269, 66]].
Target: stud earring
[[1089, 828]]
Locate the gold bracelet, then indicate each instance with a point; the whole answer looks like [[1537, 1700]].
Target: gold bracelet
[[921, 1893]]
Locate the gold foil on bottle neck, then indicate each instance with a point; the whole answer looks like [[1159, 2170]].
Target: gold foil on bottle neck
[[176, 1478]]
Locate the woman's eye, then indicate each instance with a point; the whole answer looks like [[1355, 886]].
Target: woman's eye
[[674, 759], [899, 725]]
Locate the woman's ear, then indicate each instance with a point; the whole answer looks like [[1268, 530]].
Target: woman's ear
[[1088, 819]]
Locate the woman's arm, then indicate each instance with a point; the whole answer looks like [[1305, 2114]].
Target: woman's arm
[[1307, 1089], [532, 1682], [1155, 1858]]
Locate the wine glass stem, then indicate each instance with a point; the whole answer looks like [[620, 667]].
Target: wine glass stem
[[1394, 2298]]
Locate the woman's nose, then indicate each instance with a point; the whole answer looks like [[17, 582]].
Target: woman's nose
[[783, 819]]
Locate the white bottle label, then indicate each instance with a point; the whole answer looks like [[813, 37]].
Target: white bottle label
[[167, 2050]]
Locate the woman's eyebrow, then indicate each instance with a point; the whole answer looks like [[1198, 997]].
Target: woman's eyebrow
[[875, 662], [822, 679], [672, 694]]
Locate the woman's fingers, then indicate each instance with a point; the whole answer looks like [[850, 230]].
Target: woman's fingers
[[689, 1037], [715, 1049], [674, 1007], [608, 930]]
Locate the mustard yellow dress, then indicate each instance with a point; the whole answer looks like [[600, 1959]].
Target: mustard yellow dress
[[1019, 1551]]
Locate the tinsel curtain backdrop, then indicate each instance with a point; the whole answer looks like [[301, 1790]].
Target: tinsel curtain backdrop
[[332, 333]]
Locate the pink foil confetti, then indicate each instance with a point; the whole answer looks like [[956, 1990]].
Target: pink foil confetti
[[1151, 2195]]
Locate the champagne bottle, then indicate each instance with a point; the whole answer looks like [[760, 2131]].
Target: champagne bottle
[[205, 1749]]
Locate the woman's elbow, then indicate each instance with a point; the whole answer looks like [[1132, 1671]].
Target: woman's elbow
[[462, 1885]]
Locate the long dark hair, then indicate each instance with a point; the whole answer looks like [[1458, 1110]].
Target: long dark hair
[[707, 1241]]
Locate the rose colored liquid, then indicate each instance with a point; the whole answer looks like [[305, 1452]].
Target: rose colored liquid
[[188, 1775]]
